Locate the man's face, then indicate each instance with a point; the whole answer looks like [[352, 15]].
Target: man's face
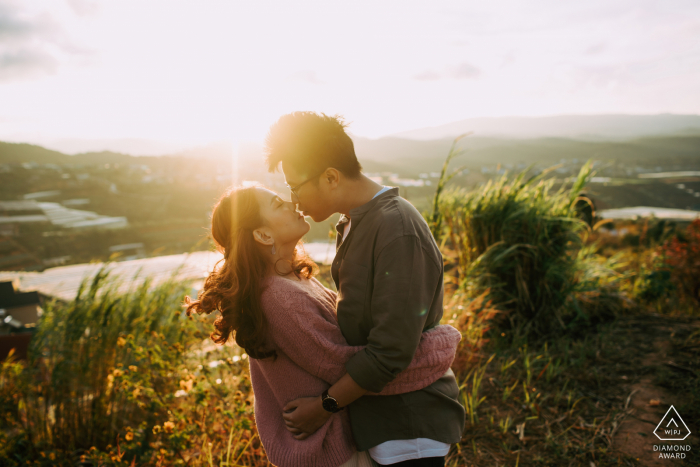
[[310, 193]]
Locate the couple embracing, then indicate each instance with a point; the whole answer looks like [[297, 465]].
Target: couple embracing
[[357, 378]]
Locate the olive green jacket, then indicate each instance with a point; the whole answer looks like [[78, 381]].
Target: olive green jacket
[[389, 276]]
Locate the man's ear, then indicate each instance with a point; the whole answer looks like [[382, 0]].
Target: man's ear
[[263, 237], [331, 177]]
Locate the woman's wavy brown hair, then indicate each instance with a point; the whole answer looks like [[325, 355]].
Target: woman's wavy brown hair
[[235, 286]]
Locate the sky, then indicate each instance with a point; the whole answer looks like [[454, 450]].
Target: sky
[[89, 75]]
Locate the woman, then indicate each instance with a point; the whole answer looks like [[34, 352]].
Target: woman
[[285, 320]]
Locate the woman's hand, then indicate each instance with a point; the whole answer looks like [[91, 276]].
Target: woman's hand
[[304, 416]]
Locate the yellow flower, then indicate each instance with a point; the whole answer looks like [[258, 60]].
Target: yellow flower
[[186, 385], [136, 392], [52, 456], [117, 372], [133, 368], [168, 427], [156, 429], [129, 436], [121, 342]]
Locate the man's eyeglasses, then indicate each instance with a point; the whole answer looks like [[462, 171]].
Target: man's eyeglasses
[[295, 189]]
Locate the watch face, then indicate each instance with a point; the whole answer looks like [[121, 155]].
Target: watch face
[[330, 404]]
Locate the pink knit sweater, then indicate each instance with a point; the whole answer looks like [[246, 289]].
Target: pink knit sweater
[[311, 356]]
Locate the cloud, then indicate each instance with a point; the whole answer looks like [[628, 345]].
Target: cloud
[[12, 27], [304, 76], [427, 75], [465, 71], [24, 63], [30, 45]]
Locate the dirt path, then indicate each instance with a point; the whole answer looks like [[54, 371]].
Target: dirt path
[[649, 396]]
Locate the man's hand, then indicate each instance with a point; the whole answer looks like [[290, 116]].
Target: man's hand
[[304, 416]]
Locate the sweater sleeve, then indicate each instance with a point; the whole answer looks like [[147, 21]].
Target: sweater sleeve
[[434, 356], [312, 339]]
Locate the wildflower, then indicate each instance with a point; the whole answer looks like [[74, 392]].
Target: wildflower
[[168, 427], [136, 392], [133, 368], [129, 436], [52, 456], [121, 342], [117, 372], [186, 385], [156, 429]]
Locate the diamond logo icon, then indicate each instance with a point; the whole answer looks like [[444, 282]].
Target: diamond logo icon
[[672, 427]]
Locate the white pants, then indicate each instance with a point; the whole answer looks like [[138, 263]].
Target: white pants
[[360, 459]]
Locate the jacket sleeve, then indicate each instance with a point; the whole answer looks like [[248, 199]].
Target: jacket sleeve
[[404, 285]]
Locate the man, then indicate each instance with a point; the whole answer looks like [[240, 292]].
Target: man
[[389, 275]]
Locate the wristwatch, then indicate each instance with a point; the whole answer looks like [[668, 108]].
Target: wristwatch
[[329, 403]]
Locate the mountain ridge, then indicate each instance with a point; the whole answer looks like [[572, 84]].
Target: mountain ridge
[[584, 127]]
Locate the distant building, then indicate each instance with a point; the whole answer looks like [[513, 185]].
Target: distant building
[[646, 211], [31, 211], [19, 312]]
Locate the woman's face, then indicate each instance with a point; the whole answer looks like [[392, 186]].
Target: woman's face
[[284, 224]]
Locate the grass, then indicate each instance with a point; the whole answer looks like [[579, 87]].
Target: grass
[[119, 378], [517, 239], [553, 405]]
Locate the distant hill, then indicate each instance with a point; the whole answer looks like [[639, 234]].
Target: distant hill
[[406, 156], [17, 153], [586, 127], [409, 157]]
